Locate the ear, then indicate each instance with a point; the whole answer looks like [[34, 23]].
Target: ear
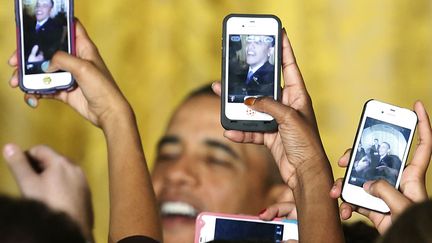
[[279, 193]]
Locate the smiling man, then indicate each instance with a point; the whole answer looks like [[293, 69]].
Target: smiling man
[[197, 169]]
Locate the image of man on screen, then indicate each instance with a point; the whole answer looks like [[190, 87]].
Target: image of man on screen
[[45, 33], [256, 77], [388, 165]]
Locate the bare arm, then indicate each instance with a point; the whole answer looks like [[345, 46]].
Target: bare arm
[[98, 99]]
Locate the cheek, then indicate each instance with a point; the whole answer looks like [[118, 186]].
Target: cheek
[[230, 195], [157, 182]]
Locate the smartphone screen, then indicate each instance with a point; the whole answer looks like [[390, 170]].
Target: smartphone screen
[[227, 229], [251, 70], [251, 66], [44, 29], [380, 152], [216, 226]]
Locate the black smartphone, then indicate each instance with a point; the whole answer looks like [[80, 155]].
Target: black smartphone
[[251, 60], [43, 28]]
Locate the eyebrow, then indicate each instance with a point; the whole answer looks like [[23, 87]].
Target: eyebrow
[[168, 140], [222, 146]]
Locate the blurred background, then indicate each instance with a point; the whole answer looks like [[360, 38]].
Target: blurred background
[[159, 50]]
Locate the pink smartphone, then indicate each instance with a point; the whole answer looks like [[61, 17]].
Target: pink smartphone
[[217, 226]]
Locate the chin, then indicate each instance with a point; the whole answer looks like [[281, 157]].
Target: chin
[[186, 236]]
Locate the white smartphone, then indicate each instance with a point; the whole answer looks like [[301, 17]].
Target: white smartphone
[[43, 27], [380, 151], [215, 226], [250, 68]]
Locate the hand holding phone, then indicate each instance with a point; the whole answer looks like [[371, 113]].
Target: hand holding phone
[[214, 226], [387, 130], [96, 93], [251, 68], [43, 28], [412, 182], [297, 159]]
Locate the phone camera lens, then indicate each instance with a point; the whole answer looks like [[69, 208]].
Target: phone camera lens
[[382, 112], [243, 25]]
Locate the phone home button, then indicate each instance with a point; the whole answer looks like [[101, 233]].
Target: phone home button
[[46, 80]]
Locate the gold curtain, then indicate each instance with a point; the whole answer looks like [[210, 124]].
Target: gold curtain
[[158, 50]]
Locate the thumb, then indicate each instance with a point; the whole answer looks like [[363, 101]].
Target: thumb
[[392, 197], [18, 164], [85, 72], [281, 113], [34, 50]]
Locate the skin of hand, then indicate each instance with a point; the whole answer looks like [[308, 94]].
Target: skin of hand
[[412, 183], [97, 101], [133, 207], [298, 151], [33, 57], [60, 184]]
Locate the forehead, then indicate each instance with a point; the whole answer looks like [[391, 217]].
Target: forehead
[[44, 2], [198, 117]]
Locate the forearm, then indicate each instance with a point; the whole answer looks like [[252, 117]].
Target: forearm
[[133, 208], [317, 213]]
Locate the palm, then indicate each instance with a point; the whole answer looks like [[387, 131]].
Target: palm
[[79, 103]]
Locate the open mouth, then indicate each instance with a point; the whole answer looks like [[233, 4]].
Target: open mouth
[[178, 209], [251, 53]]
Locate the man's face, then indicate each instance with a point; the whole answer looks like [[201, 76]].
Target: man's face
[[257, 50], [383, 149], [43, 9], [198, 169]]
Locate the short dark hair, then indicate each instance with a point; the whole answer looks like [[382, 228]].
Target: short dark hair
[[30, 221], [387, 144]]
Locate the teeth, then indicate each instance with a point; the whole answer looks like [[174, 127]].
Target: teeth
[[251, 53], [178, 208]]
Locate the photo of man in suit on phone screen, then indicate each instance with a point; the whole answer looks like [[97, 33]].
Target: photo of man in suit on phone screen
[[45, 32], [251, 72]]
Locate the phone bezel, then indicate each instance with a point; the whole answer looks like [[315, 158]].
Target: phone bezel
[[34, 83], [206, 221], [263, 122], [387, 113]]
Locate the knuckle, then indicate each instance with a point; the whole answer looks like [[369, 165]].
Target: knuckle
[[85, 67]]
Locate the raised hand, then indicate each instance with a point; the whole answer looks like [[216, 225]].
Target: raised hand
[[412, 184]]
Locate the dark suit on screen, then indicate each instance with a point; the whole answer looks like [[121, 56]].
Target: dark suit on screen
[[50, 37], [260, 83]]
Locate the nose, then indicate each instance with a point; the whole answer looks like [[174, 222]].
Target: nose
[[182, 172]]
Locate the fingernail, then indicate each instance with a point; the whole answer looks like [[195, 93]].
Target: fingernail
[[31, 102], [262, 211], [343, 213], [45, 66], [213, 84], [367, 185], [250, 101], [334, 187], [8, 151]]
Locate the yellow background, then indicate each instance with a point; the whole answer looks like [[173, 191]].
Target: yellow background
[[158, 50]]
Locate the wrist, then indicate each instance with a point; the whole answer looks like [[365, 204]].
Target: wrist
[[116, 117], [314, 172]]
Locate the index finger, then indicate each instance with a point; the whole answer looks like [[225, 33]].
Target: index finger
[[85, 48], [422, 155], [13, 60], [291, 72]]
